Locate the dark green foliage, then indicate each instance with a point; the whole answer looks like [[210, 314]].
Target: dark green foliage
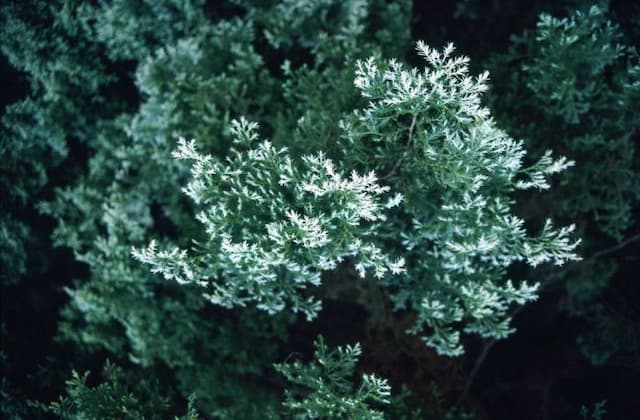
[[33, 32], [202, 75], [121, 395], [573, 84], [67, 76], [323, 388], [133, 29], [575, 87], [113, 85], [111, 399]]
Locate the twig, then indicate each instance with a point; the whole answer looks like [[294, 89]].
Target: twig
[[489, 344], [480, 360], [615, 248], [399, 161], [591, 259], [476, 367]]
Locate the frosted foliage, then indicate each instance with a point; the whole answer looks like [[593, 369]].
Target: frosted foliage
[[272, 225], [438, 146]]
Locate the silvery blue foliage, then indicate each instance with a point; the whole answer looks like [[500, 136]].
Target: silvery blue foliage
[[274, 224], [438, 146]]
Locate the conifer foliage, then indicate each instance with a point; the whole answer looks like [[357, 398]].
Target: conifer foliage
[[221, 170], [326, 388], [427, 130], [272, 228], [574, 83]]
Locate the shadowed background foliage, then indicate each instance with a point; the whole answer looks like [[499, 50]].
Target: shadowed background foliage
[[97, 94]]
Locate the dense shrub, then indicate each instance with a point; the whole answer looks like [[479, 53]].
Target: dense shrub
[[224, 172]]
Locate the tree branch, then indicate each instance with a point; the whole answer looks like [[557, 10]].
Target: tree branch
[[615, 248], [489, 344], [399, 161], [480, 360]]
